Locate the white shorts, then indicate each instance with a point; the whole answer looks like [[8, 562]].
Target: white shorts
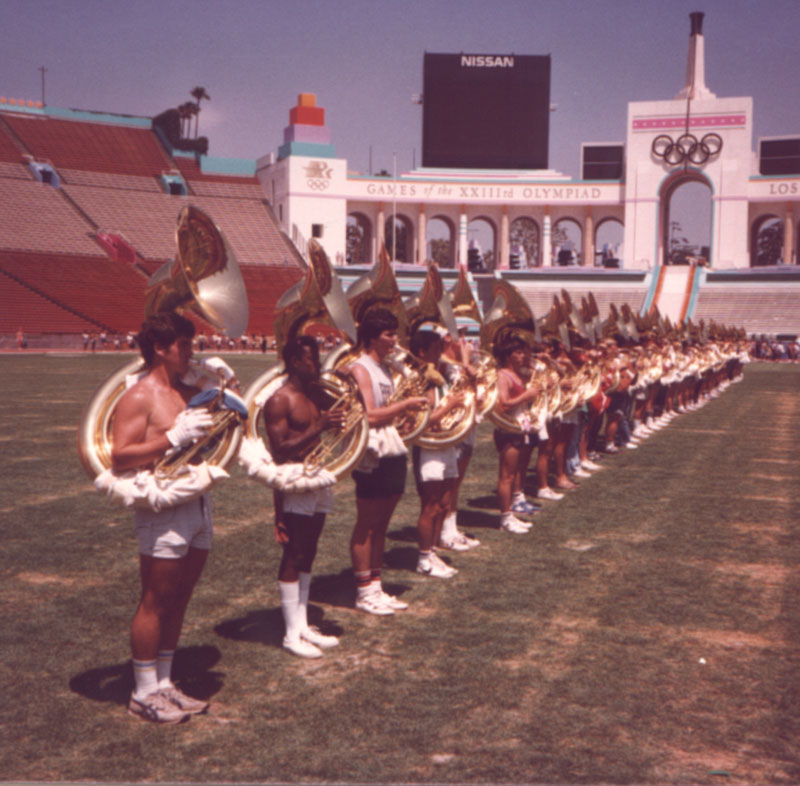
[[169, 533], [441, 464], [307, 503]]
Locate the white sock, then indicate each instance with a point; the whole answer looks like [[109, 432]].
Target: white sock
[[164, 668], [449, 528], [517, 496], [290, 606], [145, 677], [375, 586], [304, 584]]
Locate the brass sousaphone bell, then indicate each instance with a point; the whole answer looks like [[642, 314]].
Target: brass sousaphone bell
[[203, 278]]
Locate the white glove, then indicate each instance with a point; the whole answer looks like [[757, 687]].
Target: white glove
[[219, 367], [206, 373], [189, 426]]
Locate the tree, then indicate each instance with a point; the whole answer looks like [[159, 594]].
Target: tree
[[199, 94], [440, 251], [355, 243], [525, 234], [399, 246], [678, 251], [186, 112], [769, 243]]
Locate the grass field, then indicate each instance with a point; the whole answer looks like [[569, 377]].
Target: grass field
[[647, 630]]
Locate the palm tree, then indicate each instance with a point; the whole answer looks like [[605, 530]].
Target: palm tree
[[199, 93], [186, 112]]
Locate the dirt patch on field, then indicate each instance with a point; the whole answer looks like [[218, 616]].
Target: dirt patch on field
[[50, 579]]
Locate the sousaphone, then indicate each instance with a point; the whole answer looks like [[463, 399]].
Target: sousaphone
[[378, 289], [433, 305], [203, 278]]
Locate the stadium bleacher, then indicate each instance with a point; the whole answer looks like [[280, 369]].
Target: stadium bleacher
[[37, 217], [56, 272], [18, 302], [760, 310], [96, 147], [111, 178]]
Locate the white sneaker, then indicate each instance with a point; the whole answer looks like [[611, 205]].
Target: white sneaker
[[471, 542], [313, 636], [427, 566], [304, 649], [591, 465], [582, 473], [392, 602], [631, 445], [513, 524], [441, 563], [374, 604], [548, 493], [454, 543]]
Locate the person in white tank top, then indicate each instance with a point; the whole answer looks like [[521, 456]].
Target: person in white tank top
[[381, 482]]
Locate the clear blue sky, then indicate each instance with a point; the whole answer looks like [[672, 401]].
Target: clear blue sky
[[363, 59]]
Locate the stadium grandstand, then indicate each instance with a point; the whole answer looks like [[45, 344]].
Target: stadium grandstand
[[89, 204], [90, 200]]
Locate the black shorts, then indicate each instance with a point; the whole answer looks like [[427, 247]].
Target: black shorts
[[386, 480], [619, 403], [504, 439]]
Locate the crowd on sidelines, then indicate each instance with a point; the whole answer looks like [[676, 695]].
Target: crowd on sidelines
[[773, 349], [402, 384]]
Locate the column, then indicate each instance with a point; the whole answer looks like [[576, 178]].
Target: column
[[788, 235], [463, 243], [422, 237], [380, 231], [547, 240], [588, 238], [504, 245]]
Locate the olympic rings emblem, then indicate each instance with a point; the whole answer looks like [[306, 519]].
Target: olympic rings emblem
[[317, 183], [687, 147]]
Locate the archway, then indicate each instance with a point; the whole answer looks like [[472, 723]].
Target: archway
[[439, 238], [524, 243], [359, 239], [608, 240], [686, 219], [481, 253], [401, 245], [766, 241], [567, 239]]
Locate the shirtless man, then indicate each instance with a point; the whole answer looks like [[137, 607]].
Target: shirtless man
[[150, 419], [380, 478], [294, 422]]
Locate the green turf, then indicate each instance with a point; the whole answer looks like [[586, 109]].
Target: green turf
[[568, 655]]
